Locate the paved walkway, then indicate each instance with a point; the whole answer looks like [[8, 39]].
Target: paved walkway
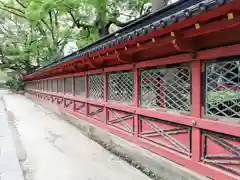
[[56, 150], [9, 165]]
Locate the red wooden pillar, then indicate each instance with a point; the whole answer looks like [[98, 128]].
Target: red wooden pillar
[[136, 100], [105, 89], [86, 94], [196, 109]]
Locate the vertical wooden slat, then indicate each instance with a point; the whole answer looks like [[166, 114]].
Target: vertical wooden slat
[[105, 96], [196, 109]]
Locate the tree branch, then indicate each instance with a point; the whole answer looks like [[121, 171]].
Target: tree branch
[[119, 23], [10, 7], [19, 15], [141, 9], [20, 3], [127, 15], [56, 19], [75, 21], [46, 24], [51, 22], [41, 30]]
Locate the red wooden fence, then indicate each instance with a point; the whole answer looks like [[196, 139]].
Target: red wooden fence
[[176, 111], [183, 105]]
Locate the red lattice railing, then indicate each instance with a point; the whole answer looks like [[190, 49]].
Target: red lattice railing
[[68, 86], [79, 86], [223, 89], [166, 88], [120, 87], [174, 110], [171, 135], [221, 151], [121, 120], [95, 87], [69, 104], [96, 112], [60, 101], [79, 107]]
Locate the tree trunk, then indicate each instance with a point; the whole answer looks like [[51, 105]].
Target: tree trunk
[[158, 4], [103, 31]]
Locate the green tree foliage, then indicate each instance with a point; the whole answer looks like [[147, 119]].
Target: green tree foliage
[[15, 84], [35, 32]]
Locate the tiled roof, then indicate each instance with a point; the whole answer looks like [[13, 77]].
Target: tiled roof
[[164, 17]]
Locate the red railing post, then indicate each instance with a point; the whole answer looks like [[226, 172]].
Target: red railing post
[[136, 100], [105, 90], [196, 109]]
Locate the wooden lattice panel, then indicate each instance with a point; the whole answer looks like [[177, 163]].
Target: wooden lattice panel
[[223, 90], [96, 86], [96, 112], [60, 101], [79, 107], [170, 135], [54, 99], [168, 88], [120, 87], [221, 151], [121, 120], [69, 104], [47, 98], [40, 96]]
